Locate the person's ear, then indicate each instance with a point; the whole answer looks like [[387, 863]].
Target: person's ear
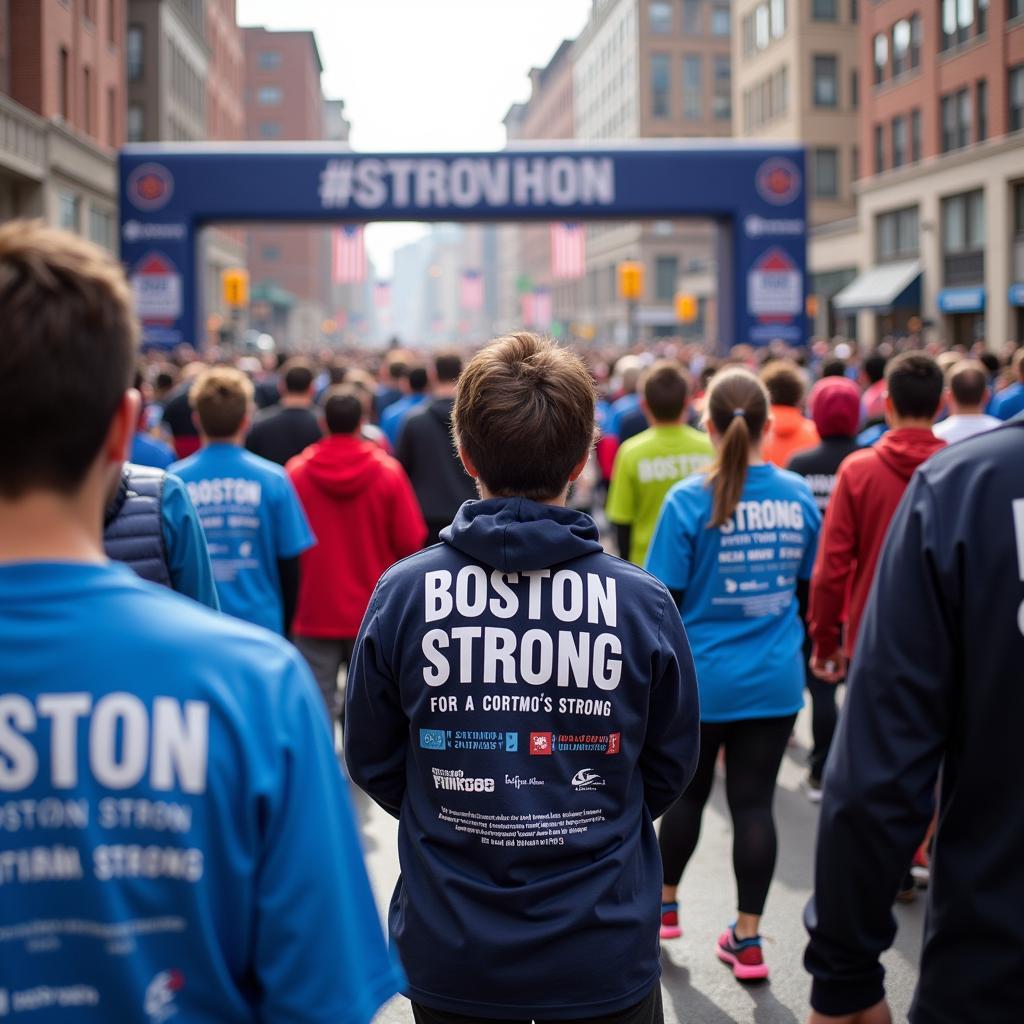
[[118, 444], [577, 471], [196, 423], [467, 464], [890, 409]]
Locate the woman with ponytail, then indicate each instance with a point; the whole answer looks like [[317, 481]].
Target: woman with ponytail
[[733, 546]]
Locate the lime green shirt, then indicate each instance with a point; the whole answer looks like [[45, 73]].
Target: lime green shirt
[[646, 466]]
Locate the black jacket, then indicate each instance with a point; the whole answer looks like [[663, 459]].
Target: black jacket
[[937, 680], [282, 433], [820, 464], [427, 453], [133, 524]]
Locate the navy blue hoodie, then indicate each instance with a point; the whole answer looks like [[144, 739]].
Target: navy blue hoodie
[[526, 705]]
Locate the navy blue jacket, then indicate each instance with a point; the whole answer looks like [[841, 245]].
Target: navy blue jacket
[[526, 705], [937, 680]]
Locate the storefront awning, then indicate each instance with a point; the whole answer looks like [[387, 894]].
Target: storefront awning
[[1016, 295], [961, 300], [891, 286]]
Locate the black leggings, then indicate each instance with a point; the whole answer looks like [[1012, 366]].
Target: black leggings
[[753, 753]]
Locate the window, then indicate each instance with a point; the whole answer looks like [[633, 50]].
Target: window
[[915, 40], [269, 96], [720, 20], [134, 126], [721, 100], [762, 32], [134, 53], [881, 54], [958, 17], [269, 60], [691, 17], [112, 22], [1018, 211], [982, 16], [899, 141], [956, 120], [68, 205], [915, 136], [89, 10], [825, 172], [270, 253], [1015, 9], [88, 105], [853, 12], [693, 99], [825, 86], [778, 18], [112, 117], [101, 227], [963, 238], [900, 47], [270, 129], [659, 14], [879, 149], [660, 85], [981, 110], [62, 82], [666, 274], [824, 10], [854, 89], [1015, 82], [897, 235], [854, 163]]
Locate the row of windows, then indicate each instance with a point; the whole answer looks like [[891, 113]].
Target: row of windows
[[766, 100], [905, 49], [186, 83], [100, 227], [661, 22], [825, 170], [692, 87], [825, 82], [898, 232], [88, 123], [766, 23], [902, 140]]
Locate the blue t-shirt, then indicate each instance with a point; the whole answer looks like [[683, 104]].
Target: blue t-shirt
[[739, 589], [149, 451], [177, 838], [187, 557], [252, 517], [1008, 402], [392, 418]]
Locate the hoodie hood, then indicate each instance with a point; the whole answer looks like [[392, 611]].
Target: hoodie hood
[[515, 534], [835, 407], [340, 466], [788, 421], [905, 449], [441, 410]]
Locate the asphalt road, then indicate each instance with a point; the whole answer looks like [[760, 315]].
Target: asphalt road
[[697, 988]]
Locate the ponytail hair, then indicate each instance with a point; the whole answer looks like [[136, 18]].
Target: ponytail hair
[[737, 404]]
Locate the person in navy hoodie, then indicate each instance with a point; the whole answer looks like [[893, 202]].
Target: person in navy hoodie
[[197, 859], [525, 705]]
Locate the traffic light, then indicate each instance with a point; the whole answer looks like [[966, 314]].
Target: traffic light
[[686, 308], [235, 285], [631, 280]]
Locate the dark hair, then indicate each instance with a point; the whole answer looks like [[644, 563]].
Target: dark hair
[[784, 382], [343, 409], [447, 367], [666, 390], [418, 380], [68, 340], [398, 369], [524, 415], [737, 404], [833, 367], [298, 376], [874, 367], [914, 382], [337, 371], [967, 382], [221, 398], [991, 362]]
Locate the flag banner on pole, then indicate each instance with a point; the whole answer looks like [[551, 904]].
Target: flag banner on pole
[[382, 294], [568, 251], [349, 251], [542, 309], [471, 290]]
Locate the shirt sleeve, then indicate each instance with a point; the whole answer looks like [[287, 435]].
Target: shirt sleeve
[[320, 953], [187, 556], [670, 556], [291, 528], [812, 528], [621, 507]]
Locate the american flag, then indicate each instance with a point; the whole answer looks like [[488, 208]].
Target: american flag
[[471, 290], [382, 294], [542, 309], [349, 263], [568, 251]]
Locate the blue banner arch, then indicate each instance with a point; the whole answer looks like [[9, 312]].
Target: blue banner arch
[[755, 192]]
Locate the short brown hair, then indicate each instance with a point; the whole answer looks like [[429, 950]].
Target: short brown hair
[[221, 397], [343, 409], [524, 414], [666, 390], [784, 382], [447, 366], [68, 340], [297, 375]]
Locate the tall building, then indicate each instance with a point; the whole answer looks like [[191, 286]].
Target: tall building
[[941, 193], [289, 267], [652, 69], [337, 126], [62, 85]]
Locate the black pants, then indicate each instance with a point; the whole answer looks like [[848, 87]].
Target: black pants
[[753, 753], [823, 721], [647, 1011]]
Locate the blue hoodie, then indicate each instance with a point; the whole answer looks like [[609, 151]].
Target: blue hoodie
[[526, 705]]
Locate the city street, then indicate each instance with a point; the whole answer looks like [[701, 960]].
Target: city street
[[697, 988]]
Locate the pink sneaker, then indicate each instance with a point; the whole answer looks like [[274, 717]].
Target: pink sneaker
[[670, 921], [742, 955]]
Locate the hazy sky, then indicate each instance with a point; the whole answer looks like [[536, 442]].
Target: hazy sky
[[425, 74]]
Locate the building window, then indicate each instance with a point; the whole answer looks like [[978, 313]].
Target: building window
[[269, 96], [693, 98], [68, 205], [721, 100], [269, 60], [879, 149], [825, 86], [897, 235], [915, 136], [963, 238], [62, 82], [88, 105], [112, 117], [89, 10], [1018, 211], [666, 275], [1015, 9], [134, 126], [824, 10], [900, 47], [854, 89], [134, 53], [853, 12], [101, 227], [899, 141], [778, 18], [659, 17], [881, 55], [762, 27], [982, 16], [1015, 82], [981, 110], [959, 18], [956, 120], [112, 22], [915, 40], [854, 163], [270, 129], [720, 25], [825, 172], [691, 17], [270, 253], [660, 85]]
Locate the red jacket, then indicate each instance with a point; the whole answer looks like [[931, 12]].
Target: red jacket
[[365, 516], [868, 488]]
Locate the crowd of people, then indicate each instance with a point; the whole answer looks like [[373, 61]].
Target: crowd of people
[[413, 549]]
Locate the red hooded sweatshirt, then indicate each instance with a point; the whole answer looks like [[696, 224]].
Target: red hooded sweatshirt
[[364, 513], [868, 488]]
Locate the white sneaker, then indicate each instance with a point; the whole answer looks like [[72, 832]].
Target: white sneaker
[[812, 787]]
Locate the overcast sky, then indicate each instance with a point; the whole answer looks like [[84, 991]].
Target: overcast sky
[[425, 74]]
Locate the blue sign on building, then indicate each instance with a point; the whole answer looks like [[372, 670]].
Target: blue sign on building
[[755, 193]]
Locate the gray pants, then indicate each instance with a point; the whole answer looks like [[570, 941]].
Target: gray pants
[[325, 657]]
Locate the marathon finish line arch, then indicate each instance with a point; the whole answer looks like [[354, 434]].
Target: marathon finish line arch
[[756, 194]]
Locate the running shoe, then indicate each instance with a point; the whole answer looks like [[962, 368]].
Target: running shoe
[[670, 921], [742, 955], [812, 787], [921, 869]]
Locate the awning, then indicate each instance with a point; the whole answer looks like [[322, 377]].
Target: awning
[[1016, 295], [961, 300], [891, 286]]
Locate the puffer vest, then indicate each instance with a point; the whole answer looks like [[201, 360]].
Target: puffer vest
[[133, 526]]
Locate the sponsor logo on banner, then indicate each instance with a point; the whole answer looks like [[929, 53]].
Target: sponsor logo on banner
[[432, 739], [586, 779], [157, 287], [540, 743], [150, 187], [161, 994], [140, 231], [511, 742], [778, 181], [761, 227], [775, 287]]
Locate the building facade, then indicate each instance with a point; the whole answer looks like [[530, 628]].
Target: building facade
[[62, 87]]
